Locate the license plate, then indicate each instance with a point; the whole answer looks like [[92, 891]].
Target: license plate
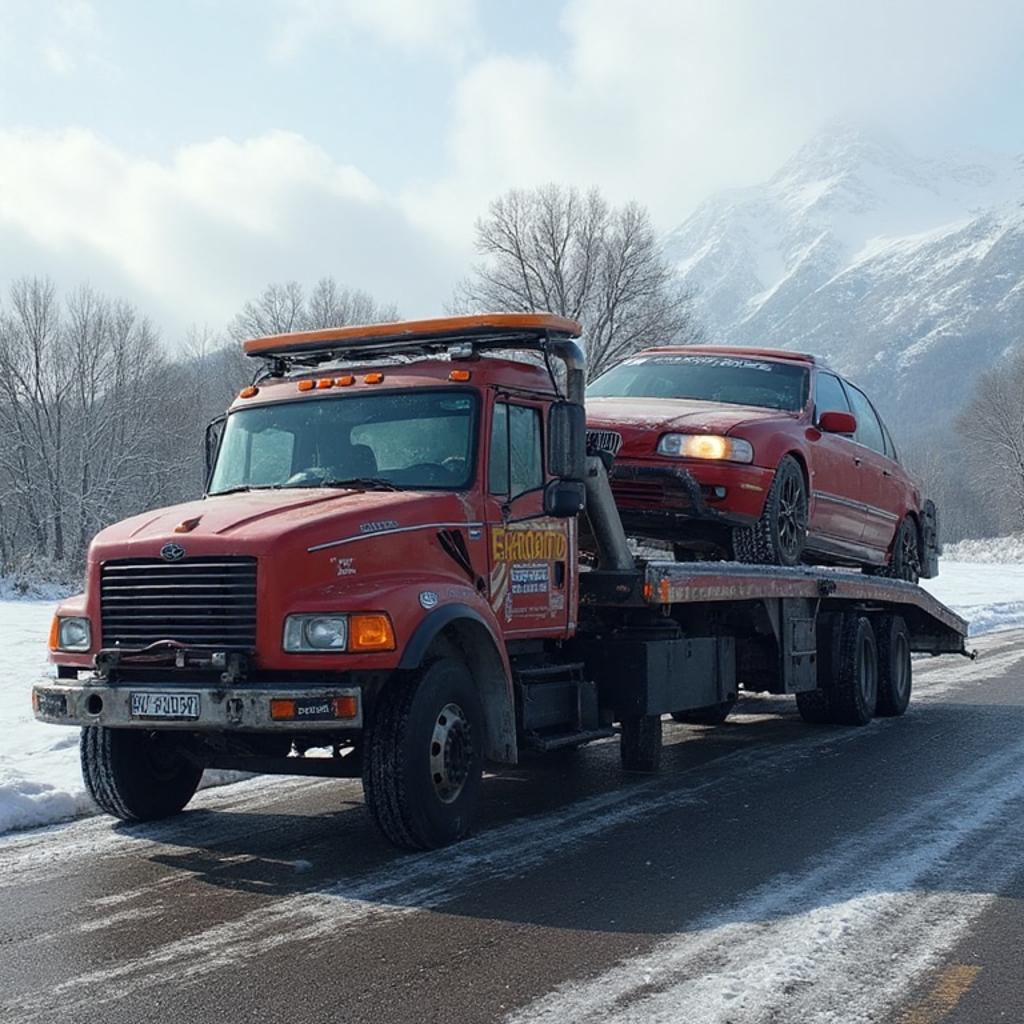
[[165, 705]]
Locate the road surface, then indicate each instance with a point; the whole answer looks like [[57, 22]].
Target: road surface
[[772, 871]]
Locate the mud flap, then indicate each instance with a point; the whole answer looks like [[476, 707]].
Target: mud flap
[[931, 547]]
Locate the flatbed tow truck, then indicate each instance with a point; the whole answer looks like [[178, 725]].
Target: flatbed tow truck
[[406, 565]]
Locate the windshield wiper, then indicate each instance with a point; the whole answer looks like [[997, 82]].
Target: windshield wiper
[[364, 483], [245, 487]]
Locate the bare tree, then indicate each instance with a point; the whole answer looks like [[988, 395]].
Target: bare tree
[[555, 249], [79, 406], [992, 424], [283, 308]]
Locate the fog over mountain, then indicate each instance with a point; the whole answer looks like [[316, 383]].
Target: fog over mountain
[[904, 272]]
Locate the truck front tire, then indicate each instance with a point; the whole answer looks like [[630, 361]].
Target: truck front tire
[[423, 762], [137, 774]]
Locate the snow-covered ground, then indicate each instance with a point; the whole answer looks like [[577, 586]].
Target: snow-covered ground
[[40, 782]]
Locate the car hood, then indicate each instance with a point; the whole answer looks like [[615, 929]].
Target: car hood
[[634, 416]]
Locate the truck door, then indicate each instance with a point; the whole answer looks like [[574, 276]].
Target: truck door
[[532, 556]]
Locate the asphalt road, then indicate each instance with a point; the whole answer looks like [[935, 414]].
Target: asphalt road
[[772, 871]]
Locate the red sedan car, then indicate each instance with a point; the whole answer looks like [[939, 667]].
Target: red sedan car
[[760, 456]]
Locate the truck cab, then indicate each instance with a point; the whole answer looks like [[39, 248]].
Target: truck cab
[[385, 505]]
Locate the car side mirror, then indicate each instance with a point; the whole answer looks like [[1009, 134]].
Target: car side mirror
[[836, 422], [564, 499]]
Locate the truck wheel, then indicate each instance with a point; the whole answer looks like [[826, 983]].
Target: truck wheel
[[854, 692], [895, 672], [424, 757], [713, 714], [135, 774], [778, 537], [640, 746]]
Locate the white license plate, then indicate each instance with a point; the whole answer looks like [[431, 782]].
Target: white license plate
[[165, 705]]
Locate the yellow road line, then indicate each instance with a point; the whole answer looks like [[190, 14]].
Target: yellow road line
[[947, 991]]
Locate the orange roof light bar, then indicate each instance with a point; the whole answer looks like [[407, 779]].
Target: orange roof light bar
[[439, 329]]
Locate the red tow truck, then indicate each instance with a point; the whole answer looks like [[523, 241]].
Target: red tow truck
[[406, 565]]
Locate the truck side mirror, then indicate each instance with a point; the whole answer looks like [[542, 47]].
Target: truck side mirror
[[564, 499], [567, 441]]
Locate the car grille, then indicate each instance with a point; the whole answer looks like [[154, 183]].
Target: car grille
[[205, 602], [604, 441], [642, 494]]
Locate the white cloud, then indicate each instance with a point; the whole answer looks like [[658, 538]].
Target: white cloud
[[445, 28], [667, 101], [191, 240]]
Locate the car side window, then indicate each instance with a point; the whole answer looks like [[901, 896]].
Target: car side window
[[829, 395], [517, 460], [869, 426]]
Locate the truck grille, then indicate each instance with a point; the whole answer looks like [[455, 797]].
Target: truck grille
[[206, 602]]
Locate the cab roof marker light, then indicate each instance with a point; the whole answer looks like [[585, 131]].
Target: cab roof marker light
[[460, 375], [307, 385], [373, 378], [324, 383], [250, 392], [344, 382]]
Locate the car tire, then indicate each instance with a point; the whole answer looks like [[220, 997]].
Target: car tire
[[905, 563], [778, 537]]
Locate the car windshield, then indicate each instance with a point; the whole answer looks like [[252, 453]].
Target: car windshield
[[406, 440], [736, 380]]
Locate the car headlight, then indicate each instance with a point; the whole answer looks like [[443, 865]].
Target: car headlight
[[706, 446], [361, 632], [71, 634]]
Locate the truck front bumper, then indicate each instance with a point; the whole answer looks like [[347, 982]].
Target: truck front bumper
[[266, 707]]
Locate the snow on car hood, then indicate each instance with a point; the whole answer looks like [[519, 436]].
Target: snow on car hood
[[633, 416]]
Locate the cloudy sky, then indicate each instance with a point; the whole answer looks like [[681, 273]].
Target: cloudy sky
[[184, 154]]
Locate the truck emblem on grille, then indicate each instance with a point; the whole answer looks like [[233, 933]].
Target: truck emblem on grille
[[172, 552]]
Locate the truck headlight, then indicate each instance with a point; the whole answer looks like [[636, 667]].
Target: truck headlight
[[706, 446], [73, 633], [360, 632], [316, 633]]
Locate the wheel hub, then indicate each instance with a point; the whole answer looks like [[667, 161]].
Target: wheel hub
[[451, 752]]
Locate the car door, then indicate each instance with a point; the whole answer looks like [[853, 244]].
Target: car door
[[878, 485], [837, 510], [531, 583]]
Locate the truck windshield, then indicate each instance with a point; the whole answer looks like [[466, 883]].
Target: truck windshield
[[736, 380], [406, 440]]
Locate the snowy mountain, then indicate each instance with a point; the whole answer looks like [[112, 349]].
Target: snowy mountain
[[905, 273]]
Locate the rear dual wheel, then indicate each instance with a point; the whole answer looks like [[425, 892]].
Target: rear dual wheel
[[848, 675]]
